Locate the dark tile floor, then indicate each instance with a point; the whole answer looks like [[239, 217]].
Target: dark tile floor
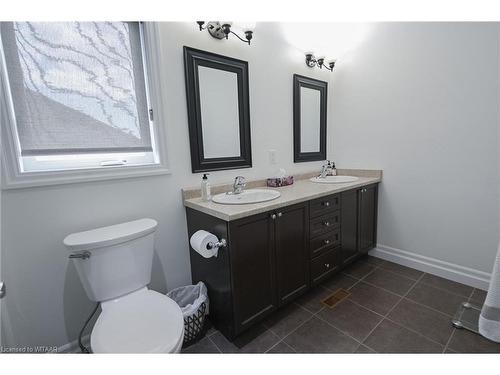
[[391, 309]]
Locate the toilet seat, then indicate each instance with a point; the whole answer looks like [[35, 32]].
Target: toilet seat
[[143, 321]]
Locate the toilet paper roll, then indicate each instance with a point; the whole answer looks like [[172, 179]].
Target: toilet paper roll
[[199, 242]]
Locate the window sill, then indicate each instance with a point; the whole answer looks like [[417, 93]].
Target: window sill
[[36, 179]]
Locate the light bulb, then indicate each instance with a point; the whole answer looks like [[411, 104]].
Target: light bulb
[[246, 26]]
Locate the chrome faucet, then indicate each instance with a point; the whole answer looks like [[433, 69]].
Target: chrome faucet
[[324, 169], [328, 169], [239, 184]]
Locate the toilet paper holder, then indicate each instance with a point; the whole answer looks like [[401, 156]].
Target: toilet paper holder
[[217, 245]]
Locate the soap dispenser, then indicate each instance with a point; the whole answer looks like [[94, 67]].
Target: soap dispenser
[[333, 169], [205, 188]]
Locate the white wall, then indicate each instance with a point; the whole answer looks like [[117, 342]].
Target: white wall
[[421, 102], [46, 304]]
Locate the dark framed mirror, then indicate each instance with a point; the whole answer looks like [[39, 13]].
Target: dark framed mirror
[[309, 119], [218, 111]]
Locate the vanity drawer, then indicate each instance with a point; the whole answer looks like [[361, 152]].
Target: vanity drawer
[[324, 205], [324, 224], [324, 242], [325, 265]]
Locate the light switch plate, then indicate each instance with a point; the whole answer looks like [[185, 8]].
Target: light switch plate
[[272, 156]]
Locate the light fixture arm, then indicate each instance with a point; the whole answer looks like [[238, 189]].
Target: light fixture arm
[[222, 31], [248, 35]]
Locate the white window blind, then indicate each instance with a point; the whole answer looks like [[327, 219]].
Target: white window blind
[[77, 87]]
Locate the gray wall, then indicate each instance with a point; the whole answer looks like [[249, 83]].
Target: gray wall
[[421, 102], [46, 304]]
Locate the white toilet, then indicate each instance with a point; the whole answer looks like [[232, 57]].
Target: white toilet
[[114, 264]]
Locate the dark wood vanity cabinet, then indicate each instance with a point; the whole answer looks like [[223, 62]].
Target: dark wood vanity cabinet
[[252, 269], [324, 237], [264, 266], [358, 222], [367, 218], [292, 251], [269, 264], [273, 257]]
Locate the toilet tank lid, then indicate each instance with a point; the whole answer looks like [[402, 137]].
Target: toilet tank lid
[[111, 235]]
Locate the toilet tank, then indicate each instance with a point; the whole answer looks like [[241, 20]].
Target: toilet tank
[[114, 260]]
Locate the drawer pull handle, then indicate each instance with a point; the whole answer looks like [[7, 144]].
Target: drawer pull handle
[[327, 265], [326, 223], [326, 204], [280, 214], [273, 216], [327, 242]]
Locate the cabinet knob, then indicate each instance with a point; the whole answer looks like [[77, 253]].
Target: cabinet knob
[[273, 216], [327, 204], [327, 242], [326, 223], [280, 214], [327, 265]]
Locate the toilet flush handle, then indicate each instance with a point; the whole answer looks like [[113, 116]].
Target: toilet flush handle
[[82, 255]]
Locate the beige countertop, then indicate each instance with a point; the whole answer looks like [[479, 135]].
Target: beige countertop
[[302, 190]]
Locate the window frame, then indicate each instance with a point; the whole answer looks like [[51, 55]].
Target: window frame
[[13, 177]]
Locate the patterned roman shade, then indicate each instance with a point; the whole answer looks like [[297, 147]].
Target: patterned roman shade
[[77, 87]]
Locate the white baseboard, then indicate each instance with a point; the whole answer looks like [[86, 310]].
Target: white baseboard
[[73, 347], [451, 271]]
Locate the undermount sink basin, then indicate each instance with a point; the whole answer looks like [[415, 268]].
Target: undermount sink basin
[[334, 179], [247, 196]]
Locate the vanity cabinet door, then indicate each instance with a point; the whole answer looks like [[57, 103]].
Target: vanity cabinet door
[[358, 222], [349, 225], [252, 269], [292, 252], [367, 218]]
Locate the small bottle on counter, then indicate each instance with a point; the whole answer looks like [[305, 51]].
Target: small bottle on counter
[[205, 188], [333, 169]]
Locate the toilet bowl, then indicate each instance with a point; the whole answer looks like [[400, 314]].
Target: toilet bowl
[[114, 264]]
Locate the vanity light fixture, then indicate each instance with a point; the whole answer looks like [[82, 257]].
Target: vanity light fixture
[[312, 61], [222, 29]]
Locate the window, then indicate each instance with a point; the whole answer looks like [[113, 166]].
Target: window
[[78, 96]]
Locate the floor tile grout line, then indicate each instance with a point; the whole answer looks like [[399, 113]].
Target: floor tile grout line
[[400, 274], [314, 315], [428, 284], [453, 331], [341, 331], [416, 332], [281, 341], [446, 290], [359, 280], [384, 289], [296, 328], [449, 340], [404, 295], [384, 316], [407, 298], [218, 349]]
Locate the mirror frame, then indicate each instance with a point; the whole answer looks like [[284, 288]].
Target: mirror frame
[[322, 86], [192, 59]]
